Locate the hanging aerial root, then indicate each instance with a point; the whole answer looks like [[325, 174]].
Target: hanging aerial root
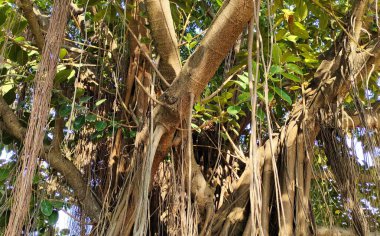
[[301, 204], [271, 150], [33, 142], [287, 177]]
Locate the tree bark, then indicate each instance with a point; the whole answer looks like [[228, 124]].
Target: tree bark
[[33, 141]]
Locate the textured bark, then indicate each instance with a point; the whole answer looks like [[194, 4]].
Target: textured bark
[[191, 81], [33, 141], [55, 159], [299, 133], [201, 66], [165, 38], [27, 7]]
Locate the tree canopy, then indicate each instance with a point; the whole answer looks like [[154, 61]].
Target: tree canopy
[[236, 117]]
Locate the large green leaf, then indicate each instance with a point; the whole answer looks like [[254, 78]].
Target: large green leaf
[[301, 10], [64, 111], [16, 54], [233, 110], [276, 54], [64, 75], [10, 96], [100, 125], [299, 29], [291, 77], [19, 27], [57, 204], [46, 207], [53, 218], [62, 53], [282, 94], [100, 102], [79, 122], [294, 68], [3, 13], [91, 118], [4, 174]]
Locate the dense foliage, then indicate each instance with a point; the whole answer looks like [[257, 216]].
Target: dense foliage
[[98, 109]]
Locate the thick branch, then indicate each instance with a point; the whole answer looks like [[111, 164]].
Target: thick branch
[[27, 7], [56, 161], [163, 33]]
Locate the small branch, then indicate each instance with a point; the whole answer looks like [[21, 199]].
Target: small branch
[[27, 7], [204, 100], [55, 159]]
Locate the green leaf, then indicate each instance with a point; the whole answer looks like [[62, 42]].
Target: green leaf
[[64, 111], [53, 218], [19, 39], [275, 69], [294, 68], [260, 114], [240, 83], [100, 125], [281, 34], [292, 38], [283, 95], [220, 100], [262, 97], [19, 27], [57, 204], [99, 102], [323, 22], [62, 53], [276, 54], [275, 79], [301, 10], [79, 93], [79, 122], [64, 75], [196, 127], [291, 77], [295, 88], [292, 58], [22, 57], [243, 78], [4, 174], [304, 47], [233, 110], [199, 107], [287, 12], [311, 61], [16, 54], [100, 15], [299, 29], [10, 96], [3, 13], [227, 95], [91, 118], [243, 97], [84, 99], [46, 207]]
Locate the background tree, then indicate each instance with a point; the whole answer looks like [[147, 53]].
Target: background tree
[[188, 117]]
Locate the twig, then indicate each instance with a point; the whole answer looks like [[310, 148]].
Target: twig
[[221, 86], [150, 96]]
